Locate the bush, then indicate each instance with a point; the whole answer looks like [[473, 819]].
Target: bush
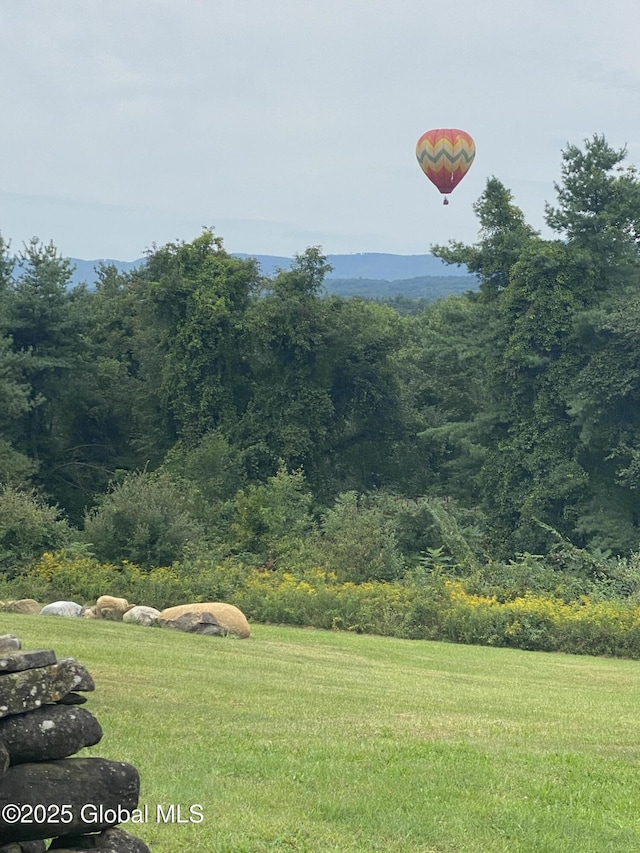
[[148, 519], [357, 541], [271, 521], [428, 607], [28, 527], [75, 576], [213, 466], [72, 574], [527, 574]]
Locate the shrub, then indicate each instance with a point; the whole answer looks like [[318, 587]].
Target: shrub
[[527, 574], [147, 519], [428, 607], [271, 520], [28, 527], [212, 465], [358, 542], [72, 574]]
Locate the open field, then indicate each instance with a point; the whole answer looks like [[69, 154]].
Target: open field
[[302, 740]]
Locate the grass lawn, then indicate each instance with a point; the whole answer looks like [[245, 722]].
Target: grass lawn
[[302, 740]]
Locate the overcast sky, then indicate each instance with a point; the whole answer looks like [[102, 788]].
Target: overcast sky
[[289, 123]]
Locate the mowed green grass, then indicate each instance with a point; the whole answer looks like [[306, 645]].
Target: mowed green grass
[[301, 740]]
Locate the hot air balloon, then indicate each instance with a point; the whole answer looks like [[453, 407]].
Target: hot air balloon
[[445, 156]]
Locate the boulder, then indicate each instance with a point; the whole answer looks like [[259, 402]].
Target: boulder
[[194, 623], [27, 606], [95, 789], [142, 615], [229, 618], [61, 608], [48, 733], [90, 612], [29, 689], [108, 607], [113, 840], [81, 679], [9, 643], [18, 661], [43, 792]]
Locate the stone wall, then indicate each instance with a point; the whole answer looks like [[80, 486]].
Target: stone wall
[[44, 793]]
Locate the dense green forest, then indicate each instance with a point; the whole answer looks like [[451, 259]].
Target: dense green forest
[[194, 405]]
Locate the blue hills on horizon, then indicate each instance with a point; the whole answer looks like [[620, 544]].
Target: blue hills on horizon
[[373, 275], [369, 265], [365, 265]]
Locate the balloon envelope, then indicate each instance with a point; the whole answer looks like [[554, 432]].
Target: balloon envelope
[[445, 156]]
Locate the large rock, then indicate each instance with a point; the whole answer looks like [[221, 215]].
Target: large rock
[[113, 840], [230, 619], [17, 661], [142, 615], [109, 607], [25, 847], [62, 608], [96, 791], [23, 605], [194, 623], [51, 732], [9, 643], [31, 688], [82, 679]]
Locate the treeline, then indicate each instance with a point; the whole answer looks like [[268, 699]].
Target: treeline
[[195, 407], [400, 293]]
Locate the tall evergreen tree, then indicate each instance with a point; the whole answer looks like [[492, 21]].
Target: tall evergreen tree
[[51, 348], [599, 208], [504, 234]]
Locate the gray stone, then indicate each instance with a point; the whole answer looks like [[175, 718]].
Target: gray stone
[[142, 615], [72, 699], [4, 760], [32, 688], [25, 847], [228, 616], [114, 840], [9, 643], [82, 679], [62, 608], [194, 623], [18, 661], [50, 732], [107, 785]]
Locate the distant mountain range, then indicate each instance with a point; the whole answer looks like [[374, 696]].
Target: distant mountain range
[[369, 265], [372, 274]]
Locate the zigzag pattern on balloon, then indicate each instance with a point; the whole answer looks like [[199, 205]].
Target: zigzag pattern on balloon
[[436, 155], [435, 166]]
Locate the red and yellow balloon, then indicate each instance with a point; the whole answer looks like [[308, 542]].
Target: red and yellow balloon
[[445, 156]]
